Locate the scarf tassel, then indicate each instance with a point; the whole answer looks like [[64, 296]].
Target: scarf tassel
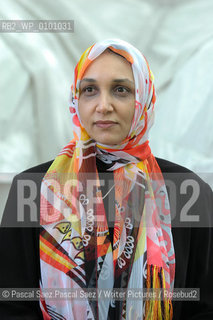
[[161, 307]]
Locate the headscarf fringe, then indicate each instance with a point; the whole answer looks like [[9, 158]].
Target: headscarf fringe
[[161, 307]]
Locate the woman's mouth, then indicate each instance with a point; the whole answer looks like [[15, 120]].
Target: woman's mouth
[[105, 124]]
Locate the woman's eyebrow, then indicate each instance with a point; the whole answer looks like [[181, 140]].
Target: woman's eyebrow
[[114, 80], [88, 80], [124, 80]]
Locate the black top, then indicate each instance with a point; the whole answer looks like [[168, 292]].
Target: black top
[[188, 194]]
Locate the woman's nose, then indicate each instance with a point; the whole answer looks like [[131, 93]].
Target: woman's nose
[[104, 103]]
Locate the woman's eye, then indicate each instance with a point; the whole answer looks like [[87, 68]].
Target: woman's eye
[[122, 90], [89, 90]]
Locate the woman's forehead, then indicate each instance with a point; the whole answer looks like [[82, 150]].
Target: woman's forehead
[[111, 64]]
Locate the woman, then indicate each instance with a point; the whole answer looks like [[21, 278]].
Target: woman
[[101, 237]]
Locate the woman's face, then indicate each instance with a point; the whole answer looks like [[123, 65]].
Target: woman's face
[[107, 99]]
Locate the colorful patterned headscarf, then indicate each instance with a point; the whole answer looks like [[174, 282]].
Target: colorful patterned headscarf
[[75, 248]]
